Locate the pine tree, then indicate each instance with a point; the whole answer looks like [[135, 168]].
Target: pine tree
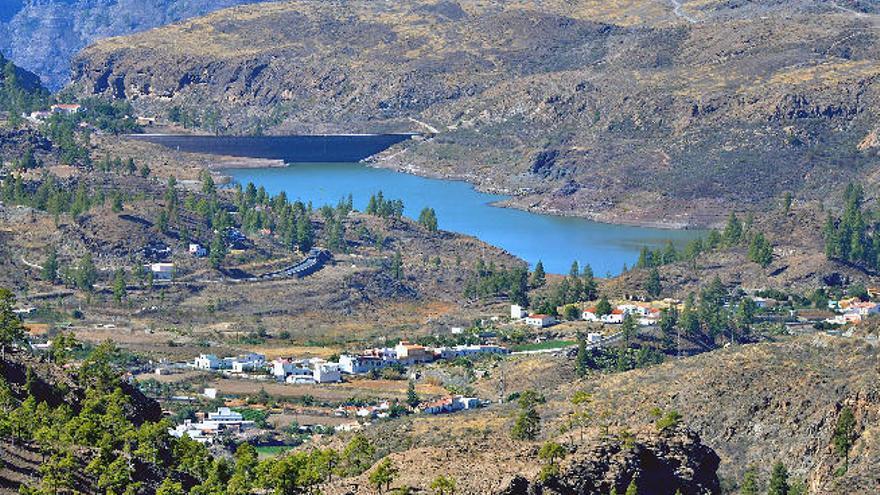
[[670, 255], [603, 307], [732, 231], [304, 234], [397, 266], [11, 330], [383, 475], [217, 251], [528, 423], [86, 273], [428, 219], [844, 432], [412, 397], [539, 278], [778, 480], [749, 485], [582, 362], [653, 286], [646, 258], [50, 266], [761, 251], [119, 285], [633, 488], [589, 287], [629, 327]]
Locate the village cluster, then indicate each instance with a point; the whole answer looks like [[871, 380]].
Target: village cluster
[[316, 370], [645, 314], [851, 311]]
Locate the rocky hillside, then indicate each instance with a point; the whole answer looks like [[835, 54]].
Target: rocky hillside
[[43, 36], [663, 464], [744, 407], [625, 111]]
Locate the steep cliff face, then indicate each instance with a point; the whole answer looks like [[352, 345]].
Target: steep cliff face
[[42, 36], [623, 111]]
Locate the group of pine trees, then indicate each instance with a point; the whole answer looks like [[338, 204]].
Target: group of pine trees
[[854, 236], [735, 233], [385, 208], [53, 196], [209, 119], [289, 221], [428, 219], [489, 280], [18, 96], [579, 285]]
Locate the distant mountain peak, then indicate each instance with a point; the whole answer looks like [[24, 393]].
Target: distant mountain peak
[[43, 36]]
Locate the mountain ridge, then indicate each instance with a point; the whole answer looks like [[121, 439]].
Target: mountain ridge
[[43, 36]]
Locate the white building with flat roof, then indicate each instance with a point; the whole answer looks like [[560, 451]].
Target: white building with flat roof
[[208, 362], [327, 373], [162, 271]]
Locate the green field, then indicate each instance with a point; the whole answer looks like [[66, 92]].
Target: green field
[[272, 450], [543, 346]]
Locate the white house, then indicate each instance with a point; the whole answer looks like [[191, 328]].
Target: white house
[[650, 318], [162, 271], [225, 415], [517, 312], [327, 373], [409, 354], [450, 404], [208, 362], [224, 420], [589, 314], [300, 379], [39, 115], [539, 320], [69, 109], [864, 308], [357, 364], [283, 368], [615, 317], [248, 362], [197, 250]]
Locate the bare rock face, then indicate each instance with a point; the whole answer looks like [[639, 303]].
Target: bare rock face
[[660, 464]]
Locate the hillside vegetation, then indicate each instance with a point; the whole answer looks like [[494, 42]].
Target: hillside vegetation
[[628, 111]]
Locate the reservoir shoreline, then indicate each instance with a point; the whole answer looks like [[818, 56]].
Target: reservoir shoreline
[[289, 164]]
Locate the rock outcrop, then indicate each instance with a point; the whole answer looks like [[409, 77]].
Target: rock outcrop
[[659, 464]]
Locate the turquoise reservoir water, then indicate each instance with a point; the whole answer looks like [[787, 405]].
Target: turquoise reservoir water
[[556, 241]]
